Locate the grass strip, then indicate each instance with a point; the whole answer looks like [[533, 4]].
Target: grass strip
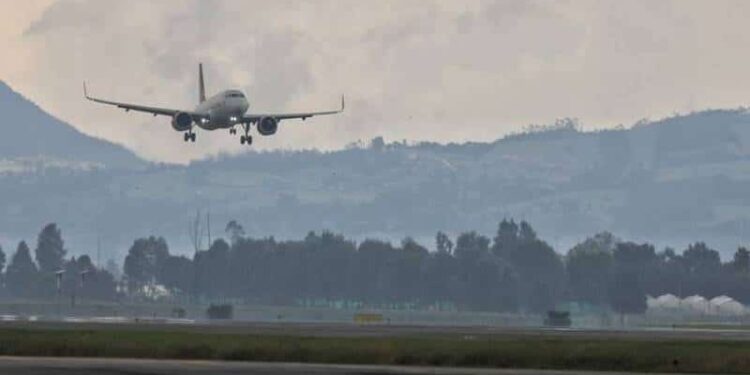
[[507, 351]]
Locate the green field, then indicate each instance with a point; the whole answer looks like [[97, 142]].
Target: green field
[[506, 351]]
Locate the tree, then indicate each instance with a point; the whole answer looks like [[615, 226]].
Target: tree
[[738, 283], [2, 268], [627, 295], [480, 274], [177, 274], [632, 262], [589, 266], [373, 267], [506, 238], [703, 267], [471, 245], [443, 243], [541, 274], [2, 259], [408, 270], [235, 231], [144, 260], [22, 273], [83, 280], [50, 250], [211, 278], [741, 261], [700, 259]]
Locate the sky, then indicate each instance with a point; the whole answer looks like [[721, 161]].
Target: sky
[[444, 71]]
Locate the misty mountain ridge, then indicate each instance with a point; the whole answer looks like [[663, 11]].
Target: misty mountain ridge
[[670, 182], [32, 137]]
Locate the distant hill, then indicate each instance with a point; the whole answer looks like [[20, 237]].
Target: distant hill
[[668, 182], [671, 181], [26, 131]]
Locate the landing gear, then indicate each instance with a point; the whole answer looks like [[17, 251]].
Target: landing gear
[[189, 137], [232, 131], [247, 138]]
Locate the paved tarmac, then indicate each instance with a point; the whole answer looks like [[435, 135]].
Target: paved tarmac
[[391, 330], [100, 366]]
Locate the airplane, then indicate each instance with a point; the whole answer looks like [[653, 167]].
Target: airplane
[[225, 110]]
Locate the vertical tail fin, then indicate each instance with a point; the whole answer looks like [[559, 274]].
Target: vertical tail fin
[[201, 85]]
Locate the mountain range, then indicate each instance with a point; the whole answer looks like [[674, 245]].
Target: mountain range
[[669, 182], [28, 132]]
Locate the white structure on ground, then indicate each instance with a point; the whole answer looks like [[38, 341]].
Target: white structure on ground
[[664, 302], [695, 305], [723, 305]]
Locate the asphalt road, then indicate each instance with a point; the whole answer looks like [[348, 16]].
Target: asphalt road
[[387, 330], [99, 366]]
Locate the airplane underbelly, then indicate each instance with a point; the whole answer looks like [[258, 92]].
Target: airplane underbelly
[[215, 124], [223, 116], [218, 120]]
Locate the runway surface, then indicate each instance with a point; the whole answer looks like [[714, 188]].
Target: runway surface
[[99, 366], [388, 330]]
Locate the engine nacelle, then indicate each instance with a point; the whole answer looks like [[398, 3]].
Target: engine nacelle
[[268, 125], [182, 121]]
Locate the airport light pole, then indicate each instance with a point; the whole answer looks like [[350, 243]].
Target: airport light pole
[[58, 279]]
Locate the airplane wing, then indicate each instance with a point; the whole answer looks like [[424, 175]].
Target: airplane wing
[[139, 108], [255, 117]]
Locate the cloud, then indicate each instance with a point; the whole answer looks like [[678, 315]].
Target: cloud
[[421, 70]]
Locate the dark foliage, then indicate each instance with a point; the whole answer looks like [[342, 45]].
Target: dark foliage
[[515, 271]]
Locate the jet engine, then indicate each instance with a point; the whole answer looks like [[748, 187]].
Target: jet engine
[[182, 121], [268, 125]]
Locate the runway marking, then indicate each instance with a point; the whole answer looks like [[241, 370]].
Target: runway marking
[[24, 365]]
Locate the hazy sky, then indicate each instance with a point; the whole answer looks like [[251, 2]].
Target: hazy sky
[[418, 70]]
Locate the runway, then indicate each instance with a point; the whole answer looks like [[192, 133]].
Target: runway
[[392, 330], [100, 366]]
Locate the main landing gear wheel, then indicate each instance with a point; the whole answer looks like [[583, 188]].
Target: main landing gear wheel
[[246, 139], [189, 137]]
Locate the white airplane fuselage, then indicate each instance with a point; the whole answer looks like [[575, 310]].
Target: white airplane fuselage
[[224, 110]]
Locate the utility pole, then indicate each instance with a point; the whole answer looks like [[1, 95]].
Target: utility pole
[[58, 279], [98, 251], [208, 227]]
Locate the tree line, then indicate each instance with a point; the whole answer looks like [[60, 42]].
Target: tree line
[[513, 271]]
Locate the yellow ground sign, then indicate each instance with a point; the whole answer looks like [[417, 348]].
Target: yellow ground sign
[[365, 318]]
